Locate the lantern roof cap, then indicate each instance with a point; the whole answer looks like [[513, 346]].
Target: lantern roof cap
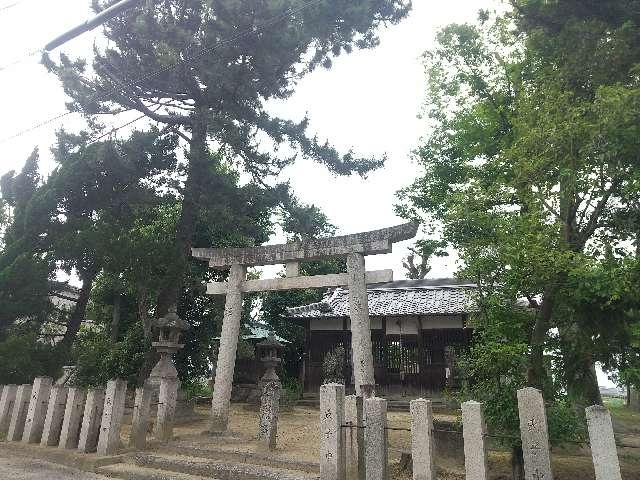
[[270, 342], [171, 320]]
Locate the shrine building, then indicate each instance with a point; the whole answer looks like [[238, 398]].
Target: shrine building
[[418, 328]]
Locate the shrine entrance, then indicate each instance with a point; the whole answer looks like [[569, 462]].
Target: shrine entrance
[[352, 247]]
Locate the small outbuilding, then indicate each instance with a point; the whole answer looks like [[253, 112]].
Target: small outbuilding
[[418, 329]]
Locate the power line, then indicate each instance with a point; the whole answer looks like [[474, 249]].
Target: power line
[[11, 5], [181, 61]]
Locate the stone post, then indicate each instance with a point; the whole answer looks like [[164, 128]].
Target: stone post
[[634, 399], [72, 417], [55, 416], [375, 439], [109, 439], [269, 412], [19, 414], [7, 402], [354, 438], [362, 354], [227, 352], [603, 444], [91, 419], [475, 445], [163, 429], [37, 410], [424, 467], [332, 464], [534, 434], [141, 413]]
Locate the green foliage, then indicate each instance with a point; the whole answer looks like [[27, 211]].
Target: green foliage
[[98, 360], [25, 357], [194, 388], [333, 365]]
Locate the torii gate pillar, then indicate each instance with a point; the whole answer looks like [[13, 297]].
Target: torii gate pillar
[[353, 247]]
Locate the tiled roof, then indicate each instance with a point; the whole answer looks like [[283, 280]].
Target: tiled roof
[[406, 297]]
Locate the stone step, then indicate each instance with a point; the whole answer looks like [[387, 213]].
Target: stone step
[[219, 470], [214, 452], [128, 471]]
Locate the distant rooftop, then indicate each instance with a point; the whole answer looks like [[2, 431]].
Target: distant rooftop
[[444, 296]]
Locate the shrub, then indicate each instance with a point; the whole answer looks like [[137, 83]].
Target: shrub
[[333, 365], [24, 357]]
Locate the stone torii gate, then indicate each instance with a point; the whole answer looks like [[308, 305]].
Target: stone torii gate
[[354, 247]]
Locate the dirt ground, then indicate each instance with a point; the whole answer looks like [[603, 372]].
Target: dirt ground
[[298, 438]]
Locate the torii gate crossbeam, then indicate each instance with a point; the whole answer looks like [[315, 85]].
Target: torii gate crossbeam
[[353, 247]]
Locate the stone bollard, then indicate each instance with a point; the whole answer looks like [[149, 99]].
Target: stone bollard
[[141, 413], [7, 402], [375, 439], [163, 429], [534, 434], [19, 414], [91, 419], [422, 440], [69, 435], [603, 443], [269, 412], [475, 444], [112, 413], [55, 416], [34, 422], [353, 438], [332, 464]]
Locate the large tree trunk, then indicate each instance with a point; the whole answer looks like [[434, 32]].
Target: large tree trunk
[[115, 317], [169, 293], [79, 311], [536, 373]]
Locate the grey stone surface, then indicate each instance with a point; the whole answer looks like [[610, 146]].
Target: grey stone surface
[[109, 439], [74, 409], [354, 438], [422, 451], [55, 416], [475, 445], [634, 399], [26, 467], [269, 412], [332, 461], [227, 352], [534, 434], [367, 243], [361, 347], [375, 439], [19, 414], [163, 428], [141, 417], [7, 402], [37, 410], [91, 418], [603, 444]]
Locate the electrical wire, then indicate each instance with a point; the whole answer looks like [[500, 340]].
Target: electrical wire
[[182, 61]]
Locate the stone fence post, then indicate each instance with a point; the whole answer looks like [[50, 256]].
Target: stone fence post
[[109, 440], [55, 416], [422, 440], [91, 421], [69, 435], [332, 462], [474, 433], [19, 414], [375, 439], [34, 422], [163, 429], [7, 402], [603, 443], [534, 434], [140, 420], [354, 438]]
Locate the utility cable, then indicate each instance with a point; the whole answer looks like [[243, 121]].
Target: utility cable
[[182, 61]]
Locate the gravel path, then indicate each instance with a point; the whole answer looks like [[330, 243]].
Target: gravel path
[[18, 467]]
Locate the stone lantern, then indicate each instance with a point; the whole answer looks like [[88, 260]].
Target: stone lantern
[[269, 351], [168, 331]]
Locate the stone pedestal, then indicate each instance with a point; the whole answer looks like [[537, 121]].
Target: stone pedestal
[[37, 410], [55, 417], [475, 442], [354, 438], [19, 414], [422, 451], [74, 409], [332, 462], [7, 402], [534, 434], [375, 439], [90, 430], [269, 412], [163, 429], [227, 352], [109, 439], [361, 346], [141, 417], [603, 444]]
